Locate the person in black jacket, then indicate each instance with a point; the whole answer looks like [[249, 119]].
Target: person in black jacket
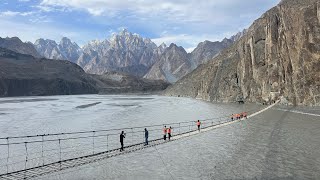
[[122, 136], [146, 135]]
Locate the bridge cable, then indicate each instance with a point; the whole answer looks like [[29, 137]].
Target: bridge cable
[[164, 163], [8, 155]]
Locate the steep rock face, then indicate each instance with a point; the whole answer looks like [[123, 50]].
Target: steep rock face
[[48, 49], [70, 50], [238, 36], [207, 50], [16, 45], [24, 75], [100, 47], [173, 64], [278, 56], [65, 50]]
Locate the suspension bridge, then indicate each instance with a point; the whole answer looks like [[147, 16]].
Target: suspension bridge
[[27, 157]]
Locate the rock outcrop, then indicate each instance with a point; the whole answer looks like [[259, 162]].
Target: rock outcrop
[[24, 75], [65, 50], [173, 64], [16, 45], [207, 50], [279, 55]]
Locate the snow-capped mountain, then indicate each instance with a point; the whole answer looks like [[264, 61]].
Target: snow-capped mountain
[[124, 52], [70, 50], [65, 50], [132, 54]]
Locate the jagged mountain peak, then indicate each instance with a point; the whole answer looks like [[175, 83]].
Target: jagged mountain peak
[[42, 42], [14, 39], [65, 41], [175, 47], [163, 45]]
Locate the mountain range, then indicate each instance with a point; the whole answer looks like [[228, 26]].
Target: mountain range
[[132, 54], [26, 75]]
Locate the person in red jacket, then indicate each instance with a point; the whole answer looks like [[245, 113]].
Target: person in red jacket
[[198, 124], [169, 132], [164, 130]]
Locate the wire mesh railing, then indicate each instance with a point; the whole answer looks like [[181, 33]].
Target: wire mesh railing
[[19, 153]]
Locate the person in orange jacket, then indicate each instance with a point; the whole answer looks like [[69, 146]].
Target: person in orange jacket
[[164, 132], [198, 124], [169, 132]]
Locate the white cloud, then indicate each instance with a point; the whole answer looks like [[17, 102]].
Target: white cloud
[[15, 13], [191, 11]]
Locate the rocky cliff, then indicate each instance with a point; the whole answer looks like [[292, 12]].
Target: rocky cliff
[[278, 56], [65, 50], [173, 64], [207, 50], [24, 75], [16, 45]]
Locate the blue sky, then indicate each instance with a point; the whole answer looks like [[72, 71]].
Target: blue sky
[[184, 22]]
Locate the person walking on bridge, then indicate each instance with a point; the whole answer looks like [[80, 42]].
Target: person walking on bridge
[[164, 133], [198, 124], [169, 132], [146, 135], [122, 136]]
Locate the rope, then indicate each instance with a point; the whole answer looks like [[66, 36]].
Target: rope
[[164, 163], [103, 130]]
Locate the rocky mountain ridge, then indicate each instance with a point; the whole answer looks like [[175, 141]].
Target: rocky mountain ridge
[[25, 75], [15, 44], [130, 53], [277, 57], [175, 62], [65, 50]]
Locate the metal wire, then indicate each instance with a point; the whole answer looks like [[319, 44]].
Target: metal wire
[[180, 128]]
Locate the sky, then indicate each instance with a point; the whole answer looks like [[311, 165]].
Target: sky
[[184, 22]]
